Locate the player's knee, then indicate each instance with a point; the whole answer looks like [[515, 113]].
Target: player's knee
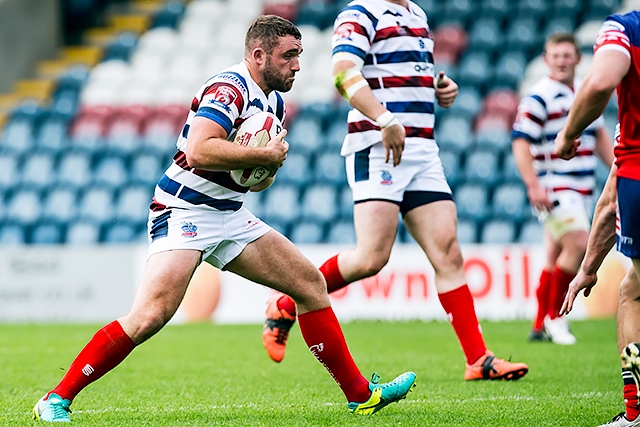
[[629, 289], [371, 265]]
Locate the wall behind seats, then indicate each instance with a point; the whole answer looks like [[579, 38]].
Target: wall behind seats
[[29, 31]]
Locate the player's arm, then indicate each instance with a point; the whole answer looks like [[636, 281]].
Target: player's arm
[[524, 161], [604, 146], [606, 72], [601, 239], [207, 148], [354, 88]]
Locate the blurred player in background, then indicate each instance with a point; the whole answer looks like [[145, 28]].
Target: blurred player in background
[[616, 64], [197, 215], [559, 191], [383, 65]]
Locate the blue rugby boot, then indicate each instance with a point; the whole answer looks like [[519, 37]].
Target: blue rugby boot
[[384, 394], [53, 409]]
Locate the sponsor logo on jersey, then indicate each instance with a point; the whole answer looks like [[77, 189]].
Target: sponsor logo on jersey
[[626, 240], [224, 95], [344, 31], [250, 224], [386, 178], [189, 229], [233, 79]]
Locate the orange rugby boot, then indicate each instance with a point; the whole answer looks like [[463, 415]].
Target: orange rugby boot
[[489, 367], [276, 329]]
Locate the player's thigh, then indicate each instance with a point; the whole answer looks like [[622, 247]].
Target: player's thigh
[[434, 227], [376, 225], [272, 260]]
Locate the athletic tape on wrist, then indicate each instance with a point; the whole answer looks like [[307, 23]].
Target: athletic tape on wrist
[[387, 119]]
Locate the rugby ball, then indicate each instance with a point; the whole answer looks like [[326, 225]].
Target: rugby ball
[[256, 131]]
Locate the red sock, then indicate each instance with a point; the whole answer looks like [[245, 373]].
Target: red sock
[[108, 347], [542, 295], [332, 275], [461, 312], [559, 287], [322, 333], [286, 303], [630, 392]]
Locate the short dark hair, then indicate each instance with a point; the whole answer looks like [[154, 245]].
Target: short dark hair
[[557, 38], [266, 30]]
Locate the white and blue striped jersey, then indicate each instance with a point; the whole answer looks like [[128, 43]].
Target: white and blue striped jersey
[[228, 98], [397, 49], [542, 113]]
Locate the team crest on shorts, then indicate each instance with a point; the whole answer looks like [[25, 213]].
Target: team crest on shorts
[[386, 178], [189, 229]]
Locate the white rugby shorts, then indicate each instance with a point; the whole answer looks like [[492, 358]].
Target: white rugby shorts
[[371, 178], [569, 214], [220, 235]]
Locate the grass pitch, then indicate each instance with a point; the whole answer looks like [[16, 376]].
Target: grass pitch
[[219, 375]]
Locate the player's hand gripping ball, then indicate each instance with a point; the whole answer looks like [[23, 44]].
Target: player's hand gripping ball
[[256, 131]]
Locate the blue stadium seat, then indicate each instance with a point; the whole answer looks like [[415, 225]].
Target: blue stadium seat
[[561, 24], [317, 13], [510, 171], [486, 35], [253, 202], [345, 202], [454, 132], [472, 200], [74, 170], [499, 10], [460, 10], [531, 232], [342, 232], [60, 205], [305, 135], [9, 175], [12, 235], [295, 171], [510, 201], [281, 205], [82, 233], [17, 137], [467, 231], [38, 172], [307, 233], [475, 69], [132, 205], [482, 166], [319, 203], [330, 169], [146, 169], [73, 78], [168, 15], [568, 8], [24, 207], [335, 135], [121, 47], [451, 165], [64, 105], [493, 139], [119, 233], [498, 231], [47, 234], [468, 103], [524, 36], [510, 68], [110, 171], [52, 135], [97, 206]]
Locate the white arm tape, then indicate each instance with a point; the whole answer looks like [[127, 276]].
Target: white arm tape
[[387, 119], [346, 56]]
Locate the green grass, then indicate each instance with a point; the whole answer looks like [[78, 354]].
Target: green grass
[[210, 375]]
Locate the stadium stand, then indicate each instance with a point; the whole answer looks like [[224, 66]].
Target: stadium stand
[[83, 145]]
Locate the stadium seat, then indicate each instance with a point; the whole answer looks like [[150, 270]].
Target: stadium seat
[[146, 169], [47, 234], [281, 204], [342, 232], [319, 203], [345, 203], [318, 13], [9, 175], [296, 171], [38, 171], [132, 205], [475, 69], [169, 15], [96, 206], [451, 40], [330, 169], [486, 35], [467, 231], [523, 35], [510, 201], [60, 205], [471, 200], [494, 138], [467, 104], [12, 235], [482, 166], [500, 10], [52, 135], [24, 208], [18, 136], [531, 232], [110, 171], [74, 170], [119, 233], [451, 165], [120, 47], [335, 134], [307, 233], [510, 69], [510, 173], [454, 132], [305, 135], [562, 24], [82, 233], [498, 231], [536, 9]]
